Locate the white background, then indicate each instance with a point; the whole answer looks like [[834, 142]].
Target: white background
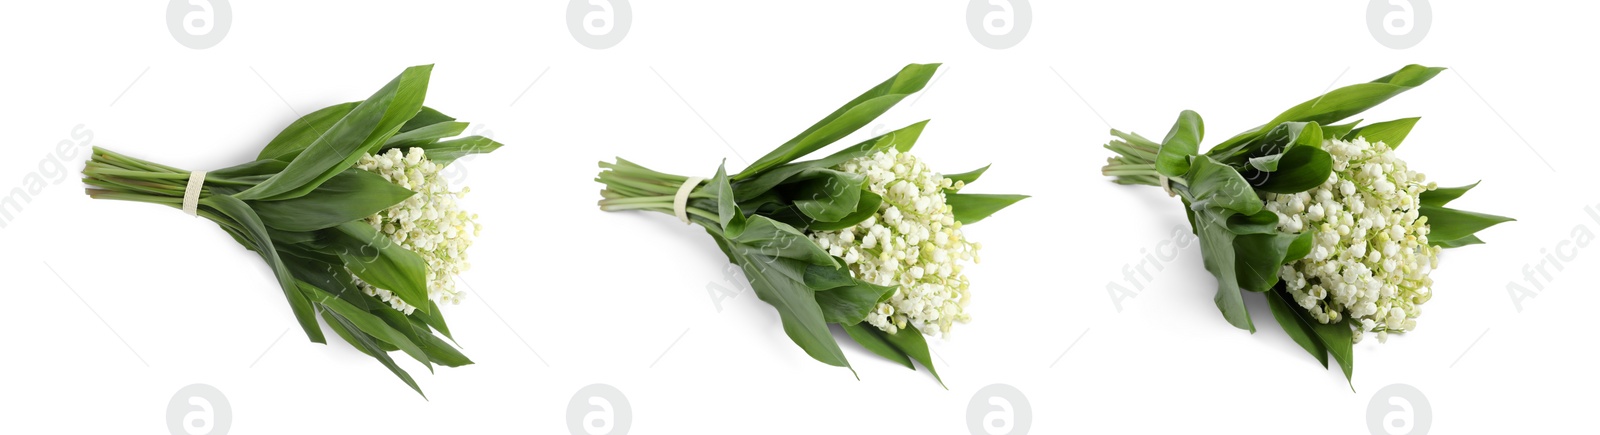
[[112, 307]]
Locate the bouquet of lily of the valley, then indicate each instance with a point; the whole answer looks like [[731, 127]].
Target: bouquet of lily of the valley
[[868, 238], [348, 208], [1323, 219]]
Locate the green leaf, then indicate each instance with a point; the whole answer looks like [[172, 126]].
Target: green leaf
[[1263, 222], [826, 195], [1339, 131], [1344, 102], [969, 208], [872, 338], [1213, 184], [1260, 257], [425, 117], [302, 132], [1297, 325], [367, 323], [381, 262], [418, 332], [369, 124], [1300, 169], [1457, 243], [901, 139], [851, 304], [1337, 338], [352, 195], [424, 135], [433, 318], [968, 177], [729, 216], [446, 152], [776, 239], [866, 207], [1182, 143], [1216, 247], [1350, 100], [369, 346], [1390, 133], [911, 343], [256, 233], [847, 119], [1442, 196], [1452, 224], [778, 282]]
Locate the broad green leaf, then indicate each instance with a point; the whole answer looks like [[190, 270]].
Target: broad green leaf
[[776, 239], [1260, 257], [968, 177], [261, 242], [828, 277], [851, 304], [778, 282], [1339, 131], [419, 333], [1301, 247], [371, 123], [381, 262], [1216, 247], [369, 346], [367, 323], [902, 139], [1443, 195], [327, 272], [1456, 243], [866, 207], [1390, 133], [969, 208], [1350, 100], [425, 117], [1452, 224], [729, 216], [1259, 153], [1337, 338], [911, 343], [446, 152], [1300, 169], [433, 318], [847, 119], [302, 132], [1297, 324], [1213, 184], [826, 195], [1182, 143], [1344, 102], [352, 195], [1263, 222], [424, 135], [873, 339]]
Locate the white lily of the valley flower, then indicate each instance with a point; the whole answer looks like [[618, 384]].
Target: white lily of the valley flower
[[1371, 257], [912, 242], [429, 223]]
